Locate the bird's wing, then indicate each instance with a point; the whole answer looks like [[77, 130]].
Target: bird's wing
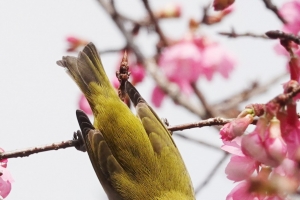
[[104, 163], [169, 159]]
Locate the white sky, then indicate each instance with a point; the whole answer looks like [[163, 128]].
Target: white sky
[[38, 99]]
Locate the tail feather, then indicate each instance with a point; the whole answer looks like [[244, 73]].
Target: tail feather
[[70, 63], [86, 68], [91, 51], [89, 56]]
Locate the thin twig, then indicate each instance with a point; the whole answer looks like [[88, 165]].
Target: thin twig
[[205, 14], [212, 173], [197, 141], [101, 52], [210, 111], [283, 99], [282, 35], [154, 20], [272, 7], [32, 150], [256, 89], [217, 121], [233, 34]]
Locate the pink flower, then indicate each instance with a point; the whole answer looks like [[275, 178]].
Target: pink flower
[[5, 185], [253, 146], [233, 147], [74, 43], [185, 61], [5, 178], [287, 168], [274, 143], [217, 59], [181, 62], [290, 128], [235, 128], [241, 191], [291, 13], [137, 73], [294, 66], [157, 96], [240, 166], [265, 143], [84, 105]]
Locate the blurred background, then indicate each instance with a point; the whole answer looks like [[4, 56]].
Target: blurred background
[[38, 99]]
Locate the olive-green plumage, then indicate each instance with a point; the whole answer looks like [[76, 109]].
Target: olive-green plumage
[[135, 158]]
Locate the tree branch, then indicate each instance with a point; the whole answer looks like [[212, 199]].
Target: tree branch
[[256, 89], [233, 34], [282, 35], [32, 150], [154, 21], [217, 121], [209, 110], [273, 8]]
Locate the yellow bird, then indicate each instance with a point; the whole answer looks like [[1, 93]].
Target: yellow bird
[[135, 158]]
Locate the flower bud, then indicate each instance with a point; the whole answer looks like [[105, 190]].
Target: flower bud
[[235, 128], [222, 4], [275, 145]]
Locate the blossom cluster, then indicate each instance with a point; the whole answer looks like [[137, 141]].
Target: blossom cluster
[[266, 161], [191, 58]]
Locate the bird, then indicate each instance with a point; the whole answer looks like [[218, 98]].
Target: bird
[[133, 156]]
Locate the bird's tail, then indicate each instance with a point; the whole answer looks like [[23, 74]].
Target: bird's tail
[[88, 72]]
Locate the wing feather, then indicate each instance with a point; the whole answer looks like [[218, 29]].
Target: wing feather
[[104, 163]]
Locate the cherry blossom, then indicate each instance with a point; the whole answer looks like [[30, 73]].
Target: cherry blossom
[[5, 178], [241, 191], [265, 143], [291, 13], [240, 165], [184, 62], [237, 127]]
